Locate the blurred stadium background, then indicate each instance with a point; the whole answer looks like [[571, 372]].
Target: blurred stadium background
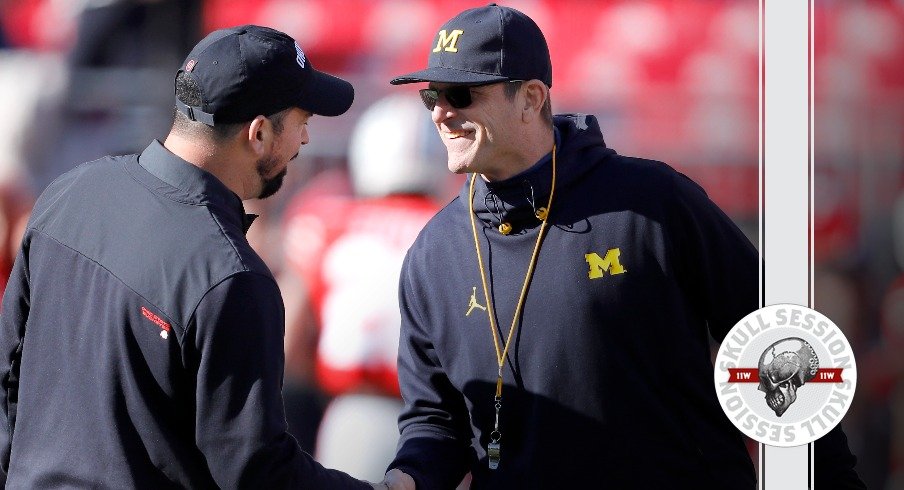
[[674, 80]]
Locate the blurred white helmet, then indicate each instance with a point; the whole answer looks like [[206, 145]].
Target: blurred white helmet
[[394, 149]]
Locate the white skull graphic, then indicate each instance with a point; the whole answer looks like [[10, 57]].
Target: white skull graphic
[[784, 367]]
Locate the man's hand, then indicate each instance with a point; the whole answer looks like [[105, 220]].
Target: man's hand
[[395, 480]]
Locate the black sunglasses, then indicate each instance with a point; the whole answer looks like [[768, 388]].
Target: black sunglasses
[[459, 96]]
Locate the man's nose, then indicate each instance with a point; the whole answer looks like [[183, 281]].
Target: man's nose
[[442, 110]]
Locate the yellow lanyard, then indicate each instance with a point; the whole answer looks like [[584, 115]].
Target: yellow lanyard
[[543, 214]]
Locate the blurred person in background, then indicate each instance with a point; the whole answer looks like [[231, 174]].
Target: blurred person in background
[[883, 391], [135, 33], [304, 398], [15, 207], [600, 278], [838, 296], [19, 138], [118, 76], [348, 251], [890, 373], [154, 352], [879, 407]]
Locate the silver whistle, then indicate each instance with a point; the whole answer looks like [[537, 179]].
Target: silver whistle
[[493, 452]]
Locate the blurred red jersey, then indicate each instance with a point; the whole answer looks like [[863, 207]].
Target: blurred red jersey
[[349, 253]]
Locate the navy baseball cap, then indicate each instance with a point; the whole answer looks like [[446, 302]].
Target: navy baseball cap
[[485, 45], [250, 70]]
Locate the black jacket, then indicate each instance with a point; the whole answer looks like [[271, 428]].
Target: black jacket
[[609, 378], [142, 339]]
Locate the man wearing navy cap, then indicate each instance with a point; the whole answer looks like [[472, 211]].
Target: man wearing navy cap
[[556, 315], [141, 336]]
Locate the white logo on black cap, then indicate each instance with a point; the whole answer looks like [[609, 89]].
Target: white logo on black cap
[[299, 58]]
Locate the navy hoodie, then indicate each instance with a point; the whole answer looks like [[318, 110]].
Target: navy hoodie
[[609, 378]]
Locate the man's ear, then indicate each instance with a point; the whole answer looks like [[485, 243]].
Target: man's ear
[[535, 94], [260, 132]]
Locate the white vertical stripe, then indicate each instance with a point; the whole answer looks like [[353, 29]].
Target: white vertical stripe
[[785, 197]]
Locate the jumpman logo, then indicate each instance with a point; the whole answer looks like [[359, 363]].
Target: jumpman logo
[[473, 302]]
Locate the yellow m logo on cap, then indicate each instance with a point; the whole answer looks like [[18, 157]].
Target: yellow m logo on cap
[[598, 266], [447, 41]]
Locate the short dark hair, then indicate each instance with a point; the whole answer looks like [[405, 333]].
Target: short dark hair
[[514, 86], [189, 93]]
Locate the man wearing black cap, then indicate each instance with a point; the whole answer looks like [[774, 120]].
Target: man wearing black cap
[[556, 315], [141, 336]]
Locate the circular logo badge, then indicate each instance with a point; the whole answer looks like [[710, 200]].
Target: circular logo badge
[[785, 375]]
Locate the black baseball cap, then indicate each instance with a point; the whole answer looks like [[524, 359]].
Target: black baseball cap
[[485, 45], [250, 70]]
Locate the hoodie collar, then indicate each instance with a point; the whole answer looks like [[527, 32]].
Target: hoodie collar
[[579, 146], [186, 182]]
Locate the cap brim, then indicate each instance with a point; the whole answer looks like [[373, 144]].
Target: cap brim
[[326, 95], [441, 74]]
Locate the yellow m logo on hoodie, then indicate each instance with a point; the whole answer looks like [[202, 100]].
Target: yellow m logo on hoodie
[[599, 266]]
